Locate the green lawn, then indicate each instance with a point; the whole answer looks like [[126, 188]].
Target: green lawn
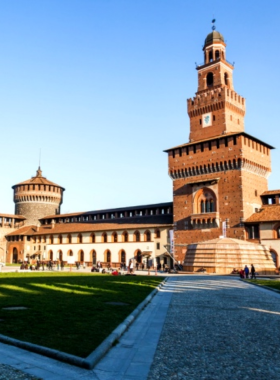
[[275, 284], [68, 312]]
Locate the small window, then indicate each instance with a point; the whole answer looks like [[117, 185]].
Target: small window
[[210, 79], [226, 141], [158, 245], [173, 153], [200, 121], [234, 140], [256, 193], [214, 117], [210, 145], [218, 144]]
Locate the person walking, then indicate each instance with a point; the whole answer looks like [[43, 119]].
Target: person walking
[[246, 270], [253, 272]]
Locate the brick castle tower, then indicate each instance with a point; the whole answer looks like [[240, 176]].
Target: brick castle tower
[[37, 197], [219, 175]]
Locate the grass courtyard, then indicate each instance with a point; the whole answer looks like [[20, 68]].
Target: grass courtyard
[[275, 284], [68, 312]]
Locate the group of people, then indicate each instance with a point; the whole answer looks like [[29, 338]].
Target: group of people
[[244, 273], [42, 264]]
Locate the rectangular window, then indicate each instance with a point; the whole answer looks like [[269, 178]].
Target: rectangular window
[[234, 140], [173, 153], [158, 245]]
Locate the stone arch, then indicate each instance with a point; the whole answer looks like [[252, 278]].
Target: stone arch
[[92, 238], [276, 231], [70, 253], [107, 256], [50, 255], [122, 256], [147, 235], [157, 233], [275, 257], [15, 255], [114, 237], [125, 236], [81, 256], [104, 237], [205, 201], [93, 257], [138, 256], [60, 255], [136, 236]]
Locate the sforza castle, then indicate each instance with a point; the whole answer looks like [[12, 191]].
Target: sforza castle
[[222, 216]]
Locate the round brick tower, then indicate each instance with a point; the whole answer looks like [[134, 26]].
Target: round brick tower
[[37, 197]]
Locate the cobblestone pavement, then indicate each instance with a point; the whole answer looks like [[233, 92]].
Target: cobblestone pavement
[[9, 373], [219, 328]]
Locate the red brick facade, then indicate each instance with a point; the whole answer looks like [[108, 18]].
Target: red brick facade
[[220, 174]]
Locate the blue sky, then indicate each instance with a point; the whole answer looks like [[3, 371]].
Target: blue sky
[[101, 87]]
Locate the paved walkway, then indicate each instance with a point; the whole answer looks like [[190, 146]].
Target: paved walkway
[[196, 327]]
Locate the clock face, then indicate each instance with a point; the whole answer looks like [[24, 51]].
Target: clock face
[[207, 120]]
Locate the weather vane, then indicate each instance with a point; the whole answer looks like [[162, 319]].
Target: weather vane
[[213, 24]]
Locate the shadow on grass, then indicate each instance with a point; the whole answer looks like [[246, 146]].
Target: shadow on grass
[[68, 312]]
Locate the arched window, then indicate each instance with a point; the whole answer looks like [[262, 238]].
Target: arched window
[[114, 237], [59, 240], [205, 201], [81, 255], [210, 79], [147, 236], [125, 236], [122, 256], [51, 239], [92, 238], [79, 238], [217, 54], [70, 252], [136, 236], [93, 257], [108, 256], [104, 238], [210, 56], [138, 256], [157, 234], [50, 254], [60, 255], [69, 239]]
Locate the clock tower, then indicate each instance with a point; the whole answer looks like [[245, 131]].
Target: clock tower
[[219, 175]]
